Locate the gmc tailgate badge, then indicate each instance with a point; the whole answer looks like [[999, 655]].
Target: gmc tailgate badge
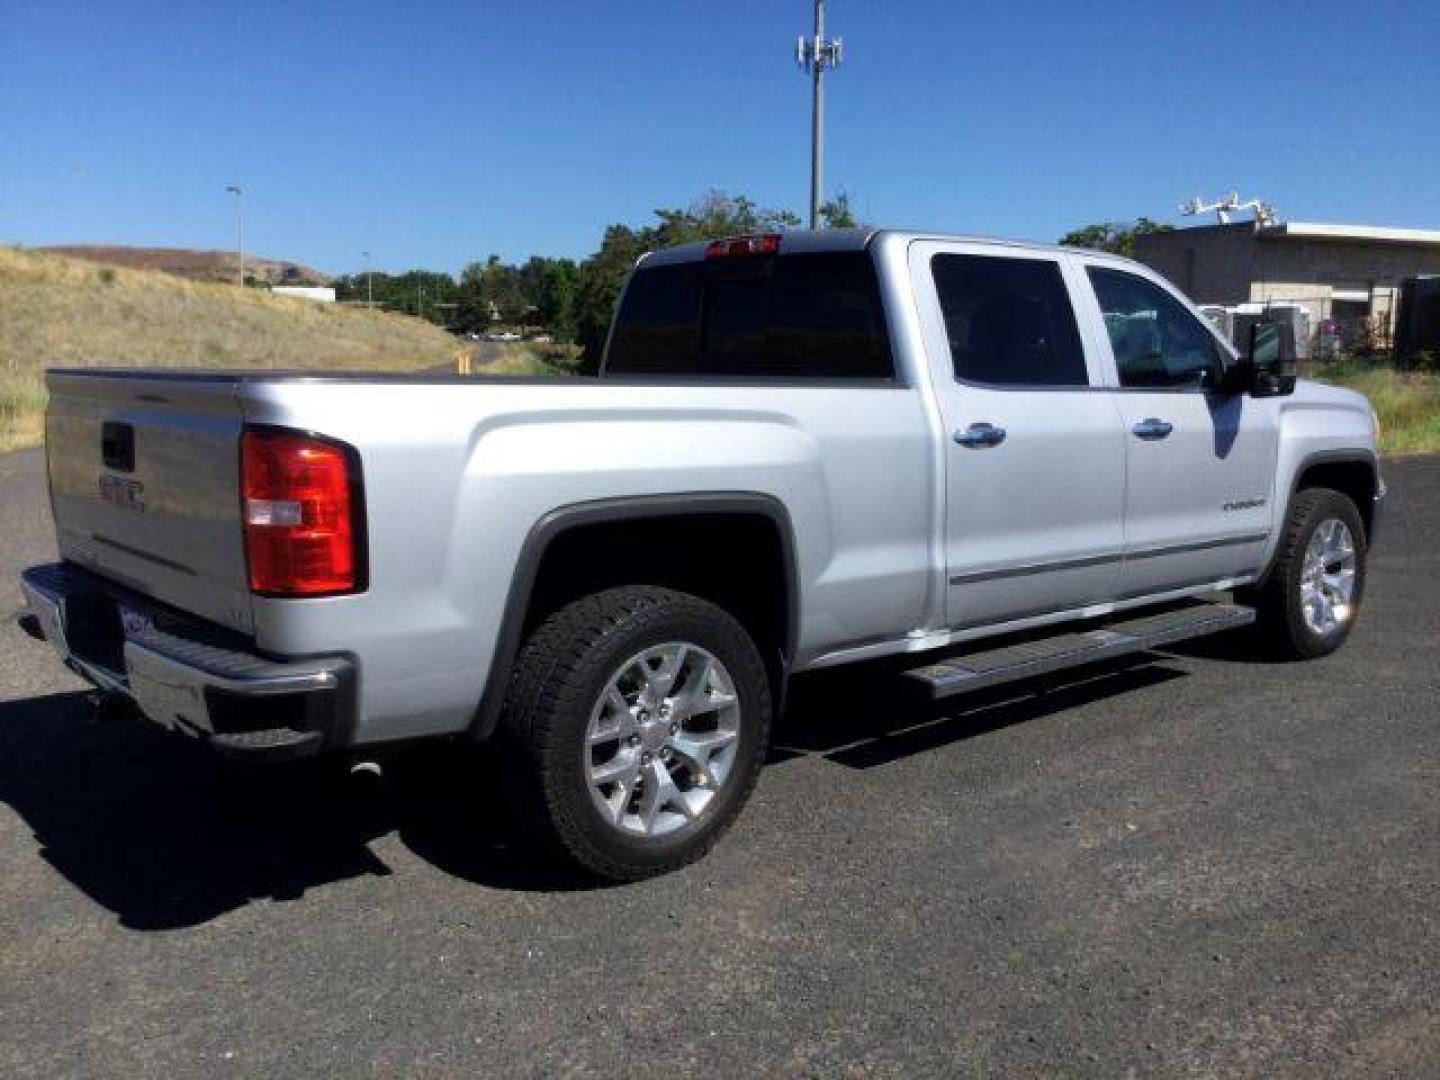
[[122, 492]]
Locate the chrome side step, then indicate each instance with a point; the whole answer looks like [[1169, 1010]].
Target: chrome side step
[[990, 667]]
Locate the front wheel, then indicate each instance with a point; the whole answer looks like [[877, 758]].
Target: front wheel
[[635, 726], [1309, 602]]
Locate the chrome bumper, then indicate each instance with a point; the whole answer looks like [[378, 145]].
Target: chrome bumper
[[186, 676]]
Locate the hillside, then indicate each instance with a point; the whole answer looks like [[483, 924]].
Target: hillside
[[56, 311], [218, 266]]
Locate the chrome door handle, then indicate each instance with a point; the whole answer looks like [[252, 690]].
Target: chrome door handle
[[1152, 429], [981, 435]]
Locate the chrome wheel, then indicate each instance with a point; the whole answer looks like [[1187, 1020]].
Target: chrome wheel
[[1327, 578], [662, 739]]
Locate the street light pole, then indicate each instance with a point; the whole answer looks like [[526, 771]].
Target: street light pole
[[369, 292], [814, 56], [234, 189]]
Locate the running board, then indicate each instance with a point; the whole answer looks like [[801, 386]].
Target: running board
[[991, 667]]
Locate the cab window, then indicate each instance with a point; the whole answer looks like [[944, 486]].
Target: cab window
[[1009, 321], [1158, 343]]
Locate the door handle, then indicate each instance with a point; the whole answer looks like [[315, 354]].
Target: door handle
[[981, 435], [1152, 429]]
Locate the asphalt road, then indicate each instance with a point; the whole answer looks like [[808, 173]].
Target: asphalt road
[[1201, 865]]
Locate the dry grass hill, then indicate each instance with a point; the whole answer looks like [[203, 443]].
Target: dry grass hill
[[57, 311], [219, 266]]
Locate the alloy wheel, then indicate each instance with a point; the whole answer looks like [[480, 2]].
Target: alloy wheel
[[1327, 578], [662, 739]]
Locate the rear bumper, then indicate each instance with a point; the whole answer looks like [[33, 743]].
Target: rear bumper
[[189, 676]]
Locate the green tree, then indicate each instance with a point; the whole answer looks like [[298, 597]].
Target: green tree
[[1116, 236], [838, 213], [603, 273], [549, 287], [471, 315], [426, 294], [598, 285], [488, 292], [574, 300]]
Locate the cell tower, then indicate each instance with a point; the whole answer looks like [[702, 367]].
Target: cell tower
[[1223, 208], [814, 55]]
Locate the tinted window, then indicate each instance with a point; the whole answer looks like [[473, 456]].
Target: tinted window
[[1157, 342], [789, 315], [1009, 321], [658, 325]]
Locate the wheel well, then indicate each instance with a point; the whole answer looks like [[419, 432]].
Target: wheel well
[[737, 561], [1355, 479]]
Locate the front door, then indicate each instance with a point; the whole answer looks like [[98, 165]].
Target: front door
[[1200, 463], [1034, 452]]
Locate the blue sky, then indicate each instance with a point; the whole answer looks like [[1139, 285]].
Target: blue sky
[[435, 133]]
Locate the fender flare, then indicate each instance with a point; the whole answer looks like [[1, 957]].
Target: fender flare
[[619, 509], [1367, 458]]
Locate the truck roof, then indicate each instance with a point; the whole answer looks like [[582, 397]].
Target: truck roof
[[801, 241]]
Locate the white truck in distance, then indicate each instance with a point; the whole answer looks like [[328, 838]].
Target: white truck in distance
[[800, 451]]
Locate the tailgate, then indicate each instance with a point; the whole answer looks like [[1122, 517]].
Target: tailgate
[[144, 483]]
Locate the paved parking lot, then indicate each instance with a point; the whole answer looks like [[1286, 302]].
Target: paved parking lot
[[1196, 865]]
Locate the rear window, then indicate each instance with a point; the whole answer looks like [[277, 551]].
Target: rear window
[[786, 316]]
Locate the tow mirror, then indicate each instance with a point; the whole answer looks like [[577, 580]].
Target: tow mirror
[[1271, 364], [1235, 377]]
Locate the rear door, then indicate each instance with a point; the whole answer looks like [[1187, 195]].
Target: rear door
[[144, 482], [1200, 463], [1035, 456]]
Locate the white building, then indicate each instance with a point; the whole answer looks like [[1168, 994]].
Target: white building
[[323, 294]]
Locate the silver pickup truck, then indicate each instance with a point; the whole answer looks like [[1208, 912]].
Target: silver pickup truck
[[800, 451]]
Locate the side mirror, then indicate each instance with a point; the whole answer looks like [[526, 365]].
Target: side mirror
[[1272, 361], [1235, 376]]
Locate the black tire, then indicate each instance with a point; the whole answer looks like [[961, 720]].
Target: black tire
[[558, 676], [1281, 625]]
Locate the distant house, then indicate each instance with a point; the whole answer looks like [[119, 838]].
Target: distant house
[[323, 294], [1346, 276]]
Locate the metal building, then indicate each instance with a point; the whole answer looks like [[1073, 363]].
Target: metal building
[[1346, 277]]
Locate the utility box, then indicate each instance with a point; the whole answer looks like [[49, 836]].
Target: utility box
[[1417, 327], [1244, 316]]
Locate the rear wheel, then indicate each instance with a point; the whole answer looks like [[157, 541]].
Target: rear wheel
[[1309, 602], [635, 726]]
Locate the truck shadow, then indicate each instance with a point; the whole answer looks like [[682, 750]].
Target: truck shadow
[[1246, 645], [861, 721], [166, 835], [161, 831]]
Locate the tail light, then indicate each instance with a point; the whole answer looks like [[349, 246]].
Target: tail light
[[301, 501], [736, 247]]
